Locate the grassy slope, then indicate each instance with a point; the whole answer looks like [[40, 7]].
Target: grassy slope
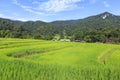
[[58, 60]]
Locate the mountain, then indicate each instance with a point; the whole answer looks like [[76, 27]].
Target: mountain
[[96, 21], [66, 29], [103, 20], [100, 20]]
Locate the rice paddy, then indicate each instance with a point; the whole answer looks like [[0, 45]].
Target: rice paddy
[[28, 59]]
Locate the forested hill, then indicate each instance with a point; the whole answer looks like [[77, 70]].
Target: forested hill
[[104, 27], [103, 20]]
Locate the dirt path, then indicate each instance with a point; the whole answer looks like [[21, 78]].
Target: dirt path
[[103, 56]]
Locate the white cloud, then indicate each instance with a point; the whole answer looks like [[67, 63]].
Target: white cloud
[[1, 15], [50, 7], [15, 14], [13, 18], [21, 19], [106, 4], [59, 5], [27, 8]]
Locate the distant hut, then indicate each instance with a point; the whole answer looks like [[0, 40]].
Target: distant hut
[[65, 40]]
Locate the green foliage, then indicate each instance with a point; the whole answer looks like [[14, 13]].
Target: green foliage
[[90, 29]]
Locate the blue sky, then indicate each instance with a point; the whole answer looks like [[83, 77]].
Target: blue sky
[[51, 10]]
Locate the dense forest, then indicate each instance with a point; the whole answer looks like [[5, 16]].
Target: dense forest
[[103, 28]]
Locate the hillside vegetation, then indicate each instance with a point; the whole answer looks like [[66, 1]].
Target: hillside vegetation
[[103, 28], [28, 59]]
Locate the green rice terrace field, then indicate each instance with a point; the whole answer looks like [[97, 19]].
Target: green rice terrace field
[[28, 59]]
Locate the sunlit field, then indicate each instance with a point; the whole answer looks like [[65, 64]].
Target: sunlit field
[[28, 59]]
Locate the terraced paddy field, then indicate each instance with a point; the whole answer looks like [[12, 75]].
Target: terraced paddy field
[[27, 59]]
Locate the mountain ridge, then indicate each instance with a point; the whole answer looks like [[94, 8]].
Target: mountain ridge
[[102, 28], [62, 20]]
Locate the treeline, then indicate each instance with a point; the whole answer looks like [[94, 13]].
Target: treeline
[[34, 30], [47, 32], [91, 29], [103, 35]]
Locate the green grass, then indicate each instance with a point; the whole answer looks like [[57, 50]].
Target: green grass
[[27, 59]]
